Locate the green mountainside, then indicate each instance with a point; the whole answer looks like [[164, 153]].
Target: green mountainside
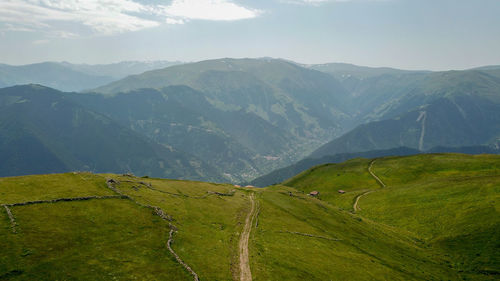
[[240, 144], [41, 131], [435, 217], [244, 118], [305, 102], [280, 175], [456, 108], [448, 201]]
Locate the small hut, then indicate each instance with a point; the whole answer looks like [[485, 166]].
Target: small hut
[[314, 193], [237, 185], [341, 191]]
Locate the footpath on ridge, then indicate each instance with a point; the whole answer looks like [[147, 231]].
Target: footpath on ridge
[[379, 181], [245, 273]]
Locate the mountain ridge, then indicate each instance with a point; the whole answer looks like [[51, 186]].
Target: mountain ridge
[[79, 139]]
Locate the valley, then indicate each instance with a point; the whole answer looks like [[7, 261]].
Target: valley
[[244, 120], [297, 140]]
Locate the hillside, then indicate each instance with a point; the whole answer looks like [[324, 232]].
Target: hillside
[[456, 108], [282, 174], [385, 108], [240, 144], [448, 201], [248, 117], [82, 225], [41, 131], [305, 102]]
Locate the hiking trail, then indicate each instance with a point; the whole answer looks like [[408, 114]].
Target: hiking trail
[[245, 273], [379, 181]]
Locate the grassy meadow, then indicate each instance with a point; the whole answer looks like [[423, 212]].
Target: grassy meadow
[[436, 219], [449, 201]]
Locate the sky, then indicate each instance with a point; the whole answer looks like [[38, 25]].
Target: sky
[[407, 34]]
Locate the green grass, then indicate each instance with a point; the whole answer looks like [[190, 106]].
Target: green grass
[[46, 187], [366, 251], [351, 176], [209, 227], [450, 201], [91, 240], [437, 219]]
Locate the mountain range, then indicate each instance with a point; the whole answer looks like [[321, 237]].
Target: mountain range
[[243, 118], [42, 131], [66, 76]]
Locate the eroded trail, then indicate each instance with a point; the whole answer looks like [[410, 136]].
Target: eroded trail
[[373, 174], [382, 184], [355, 206], [245, 273]]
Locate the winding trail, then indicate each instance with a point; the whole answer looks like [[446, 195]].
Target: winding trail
[[355, 206], [245, 273], [373, 174], [379, 181]]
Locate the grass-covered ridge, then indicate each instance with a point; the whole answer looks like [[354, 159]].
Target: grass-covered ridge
[[431, 221], [450, 201]]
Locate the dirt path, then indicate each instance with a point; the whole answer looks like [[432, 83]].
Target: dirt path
[[245, 273], [11, 218], [382, 184], [373, 174], [355, 206]]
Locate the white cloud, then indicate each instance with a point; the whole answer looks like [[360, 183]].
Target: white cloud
[[174, 21], [208, 10], [105, 17], [319, 2]]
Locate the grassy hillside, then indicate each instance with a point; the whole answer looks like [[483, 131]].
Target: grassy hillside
[[285, 173], [449, 201], [121, 229]]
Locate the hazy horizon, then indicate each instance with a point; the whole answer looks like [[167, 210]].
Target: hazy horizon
[[219, 58], [413, 35]]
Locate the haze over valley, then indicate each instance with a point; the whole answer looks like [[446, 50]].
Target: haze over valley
[[249, 140]]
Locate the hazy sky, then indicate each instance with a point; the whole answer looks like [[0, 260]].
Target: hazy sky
[[411, 34]]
